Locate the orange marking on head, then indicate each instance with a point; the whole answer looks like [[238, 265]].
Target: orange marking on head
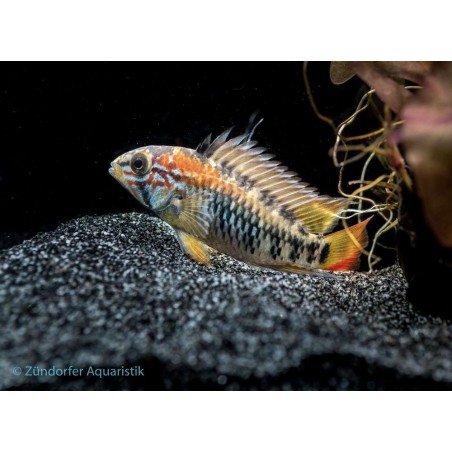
[[198, 173], [193, 170], [167, 183], [133, 183]]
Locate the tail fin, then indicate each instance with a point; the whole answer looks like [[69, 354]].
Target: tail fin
[[345, 248]]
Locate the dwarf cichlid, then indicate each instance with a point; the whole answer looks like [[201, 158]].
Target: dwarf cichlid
[[233, 197]]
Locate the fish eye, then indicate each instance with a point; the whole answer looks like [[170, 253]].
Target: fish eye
[[140, 164]]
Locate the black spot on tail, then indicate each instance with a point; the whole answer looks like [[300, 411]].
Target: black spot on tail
[[312, 249], [324, 253]]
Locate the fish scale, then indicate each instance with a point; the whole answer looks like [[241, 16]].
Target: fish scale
[[237, 226], [236, 199]]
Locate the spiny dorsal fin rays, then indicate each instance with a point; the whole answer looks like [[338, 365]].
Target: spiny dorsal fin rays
[[218, 142], [251, 163], [202, 147], [317, 213], [221, 139], [291, 198], [232, 149], [257, 172], [242, 161]]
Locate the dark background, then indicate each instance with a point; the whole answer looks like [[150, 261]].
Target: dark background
[[62, 123]]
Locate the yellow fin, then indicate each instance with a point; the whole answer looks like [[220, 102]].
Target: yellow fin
[[192, 214], [319, 214], [345, 247], [197, 250]]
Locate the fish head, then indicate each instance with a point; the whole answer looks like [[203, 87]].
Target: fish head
[[137, 172], [133, 170]]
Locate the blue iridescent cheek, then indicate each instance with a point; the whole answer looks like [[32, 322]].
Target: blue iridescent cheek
[[160, 198]]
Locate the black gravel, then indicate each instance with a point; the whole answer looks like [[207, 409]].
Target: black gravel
[[116, 290]]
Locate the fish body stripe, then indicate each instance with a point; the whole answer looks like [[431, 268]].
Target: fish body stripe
[[243, 231]]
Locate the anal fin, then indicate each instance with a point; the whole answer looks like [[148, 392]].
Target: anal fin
[[196, 249], [288, 268], [301, 270]]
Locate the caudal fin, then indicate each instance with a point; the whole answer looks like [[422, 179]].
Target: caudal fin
[[345, 248]]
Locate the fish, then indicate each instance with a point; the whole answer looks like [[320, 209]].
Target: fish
[[232, 196]]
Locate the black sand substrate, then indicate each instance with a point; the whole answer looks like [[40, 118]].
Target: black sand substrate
[[116, 293]]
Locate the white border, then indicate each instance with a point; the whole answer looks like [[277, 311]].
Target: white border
[[232, 30], [238, 421]]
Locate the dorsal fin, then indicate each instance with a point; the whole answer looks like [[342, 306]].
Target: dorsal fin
[[322, 213], [239, 155], [202, 147], [215, 144]]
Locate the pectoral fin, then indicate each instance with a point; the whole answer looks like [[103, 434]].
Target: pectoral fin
[[193, 215], [197, 250]]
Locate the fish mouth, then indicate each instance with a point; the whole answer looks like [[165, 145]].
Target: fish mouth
[[114, 170]]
